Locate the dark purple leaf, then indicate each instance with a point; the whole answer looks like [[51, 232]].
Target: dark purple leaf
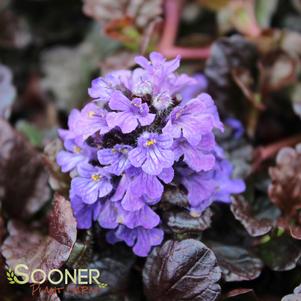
[[243, 212], [237, 264], [241, 294], [272, 253], [228, 54], [46, 252], [295, 231], [284, 191], [296, 296], [175, 197], [282, 73], [114, 267], [180, 221], [181, 270], [23, 178], [292, 297]]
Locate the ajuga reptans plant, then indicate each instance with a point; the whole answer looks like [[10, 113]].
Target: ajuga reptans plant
[[139, 135]]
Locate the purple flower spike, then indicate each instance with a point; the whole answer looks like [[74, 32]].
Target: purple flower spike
[[132, 113], [93, 183], [139, 238], [152, 153], [116, 158], [145, 131]]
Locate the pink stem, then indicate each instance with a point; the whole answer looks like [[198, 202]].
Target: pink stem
[[167, 46], [186, 53], [172, 19], [262, 153]]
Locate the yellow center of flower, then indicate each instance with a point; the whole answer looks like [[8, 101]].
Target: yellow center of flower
[[91, 114], [77, 149], [96, 177], [119, 220], [150, 142]]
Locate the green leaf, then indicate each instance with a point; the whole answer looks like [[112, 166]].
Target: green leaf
[[264, 11], [34, 135]]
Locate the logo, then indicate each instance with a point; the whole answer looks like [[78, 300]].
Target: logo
[[10, 276], [82, 280]]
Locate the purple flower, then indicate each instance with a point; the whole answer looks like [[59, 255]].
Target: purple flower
[[194, 90], [116, 158], [133, 202], [140, 84], [200, 186], [102, 87], [121, 188], [165, 83], [136, 188], [73, 128], [112, 214], [199, 157], [214, 185], [158, 66], [226, 186], [132, 113], [152, 153], [237, 127], [92, 183], [83, 212], [144, 217], [139, 238], [93, 120], [196, 118], [77, 152], [109, 215], [149, 185]]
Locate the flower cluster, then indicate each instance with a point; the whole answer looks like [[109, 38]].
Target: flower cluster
[[135, 138]]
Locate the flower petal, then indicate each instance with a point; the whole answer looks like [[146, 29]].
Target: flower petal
[[137, 156]]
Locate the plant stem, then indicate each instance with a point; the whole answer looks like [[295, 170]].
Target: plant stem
[[167, 46], [262, 153]]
